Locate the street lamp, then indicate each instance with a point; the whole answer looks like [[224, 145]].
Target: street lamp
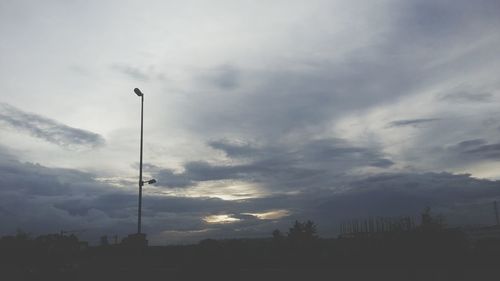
[[141, 182]]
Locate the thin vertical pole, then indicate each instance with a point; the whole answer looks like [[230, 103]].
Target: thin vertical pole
[[140, 171]]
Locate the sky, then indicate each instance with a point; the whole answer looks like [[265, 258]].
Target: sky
[[256, 114]]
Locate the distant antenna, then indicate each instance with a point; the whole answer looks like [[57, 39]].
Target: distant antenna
[[496, 212]]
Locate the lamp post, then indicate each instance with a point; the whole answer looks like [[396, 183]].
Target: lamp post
[[141, 182]]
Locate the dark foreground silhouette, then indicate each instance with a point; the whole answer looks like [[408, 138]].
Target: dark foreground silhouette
[[427, 252]]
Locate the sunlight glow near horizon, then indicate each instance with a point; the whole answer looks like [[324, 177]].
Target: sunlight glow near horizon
[[225, 190], [270, 215], [229, 218], [220, 219]]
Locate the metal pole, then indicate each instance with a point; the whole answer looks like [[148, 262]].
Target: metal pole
[[140, 171]]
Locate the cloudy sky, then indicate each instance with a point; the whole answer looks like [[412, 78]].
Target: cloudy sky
[[257, 113]]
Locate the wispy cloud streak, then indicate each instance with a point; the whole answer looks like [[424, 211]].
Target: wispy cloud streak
[[48, 129], [411, 122]]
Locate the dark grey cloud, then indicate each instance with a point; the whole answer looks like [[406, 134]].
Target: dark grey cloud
[[224, 77], [34, 179], [139, 74], [465, 97], [171, 179], [122, 204], [491, 151], [475, 150], [455, 143], [234, 149], [411, 122], [48, 129], [286, 102], [468, 144], [382, 163], [29, 194], [309, 165], [42, 200], [437, 23], [45, 200], [132, 72]]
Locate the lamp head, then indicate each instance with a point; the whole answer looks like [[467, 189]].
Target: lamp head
[[149, 181], [138, 92]]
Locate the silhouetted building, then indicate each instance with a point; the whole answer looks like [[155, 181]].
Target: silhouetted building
[[137, 240]]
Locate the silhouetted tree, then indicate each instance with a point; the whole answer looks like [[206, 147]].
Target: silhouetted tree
[[278, 237], [431, 222], [303, 231]]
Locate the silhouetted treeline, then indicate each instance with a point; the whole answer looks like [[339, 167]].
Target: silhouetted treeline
[[428, 245]]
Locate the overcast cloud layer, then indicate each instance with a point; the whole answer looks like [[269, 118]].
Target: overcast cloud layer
[[256, 114]]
